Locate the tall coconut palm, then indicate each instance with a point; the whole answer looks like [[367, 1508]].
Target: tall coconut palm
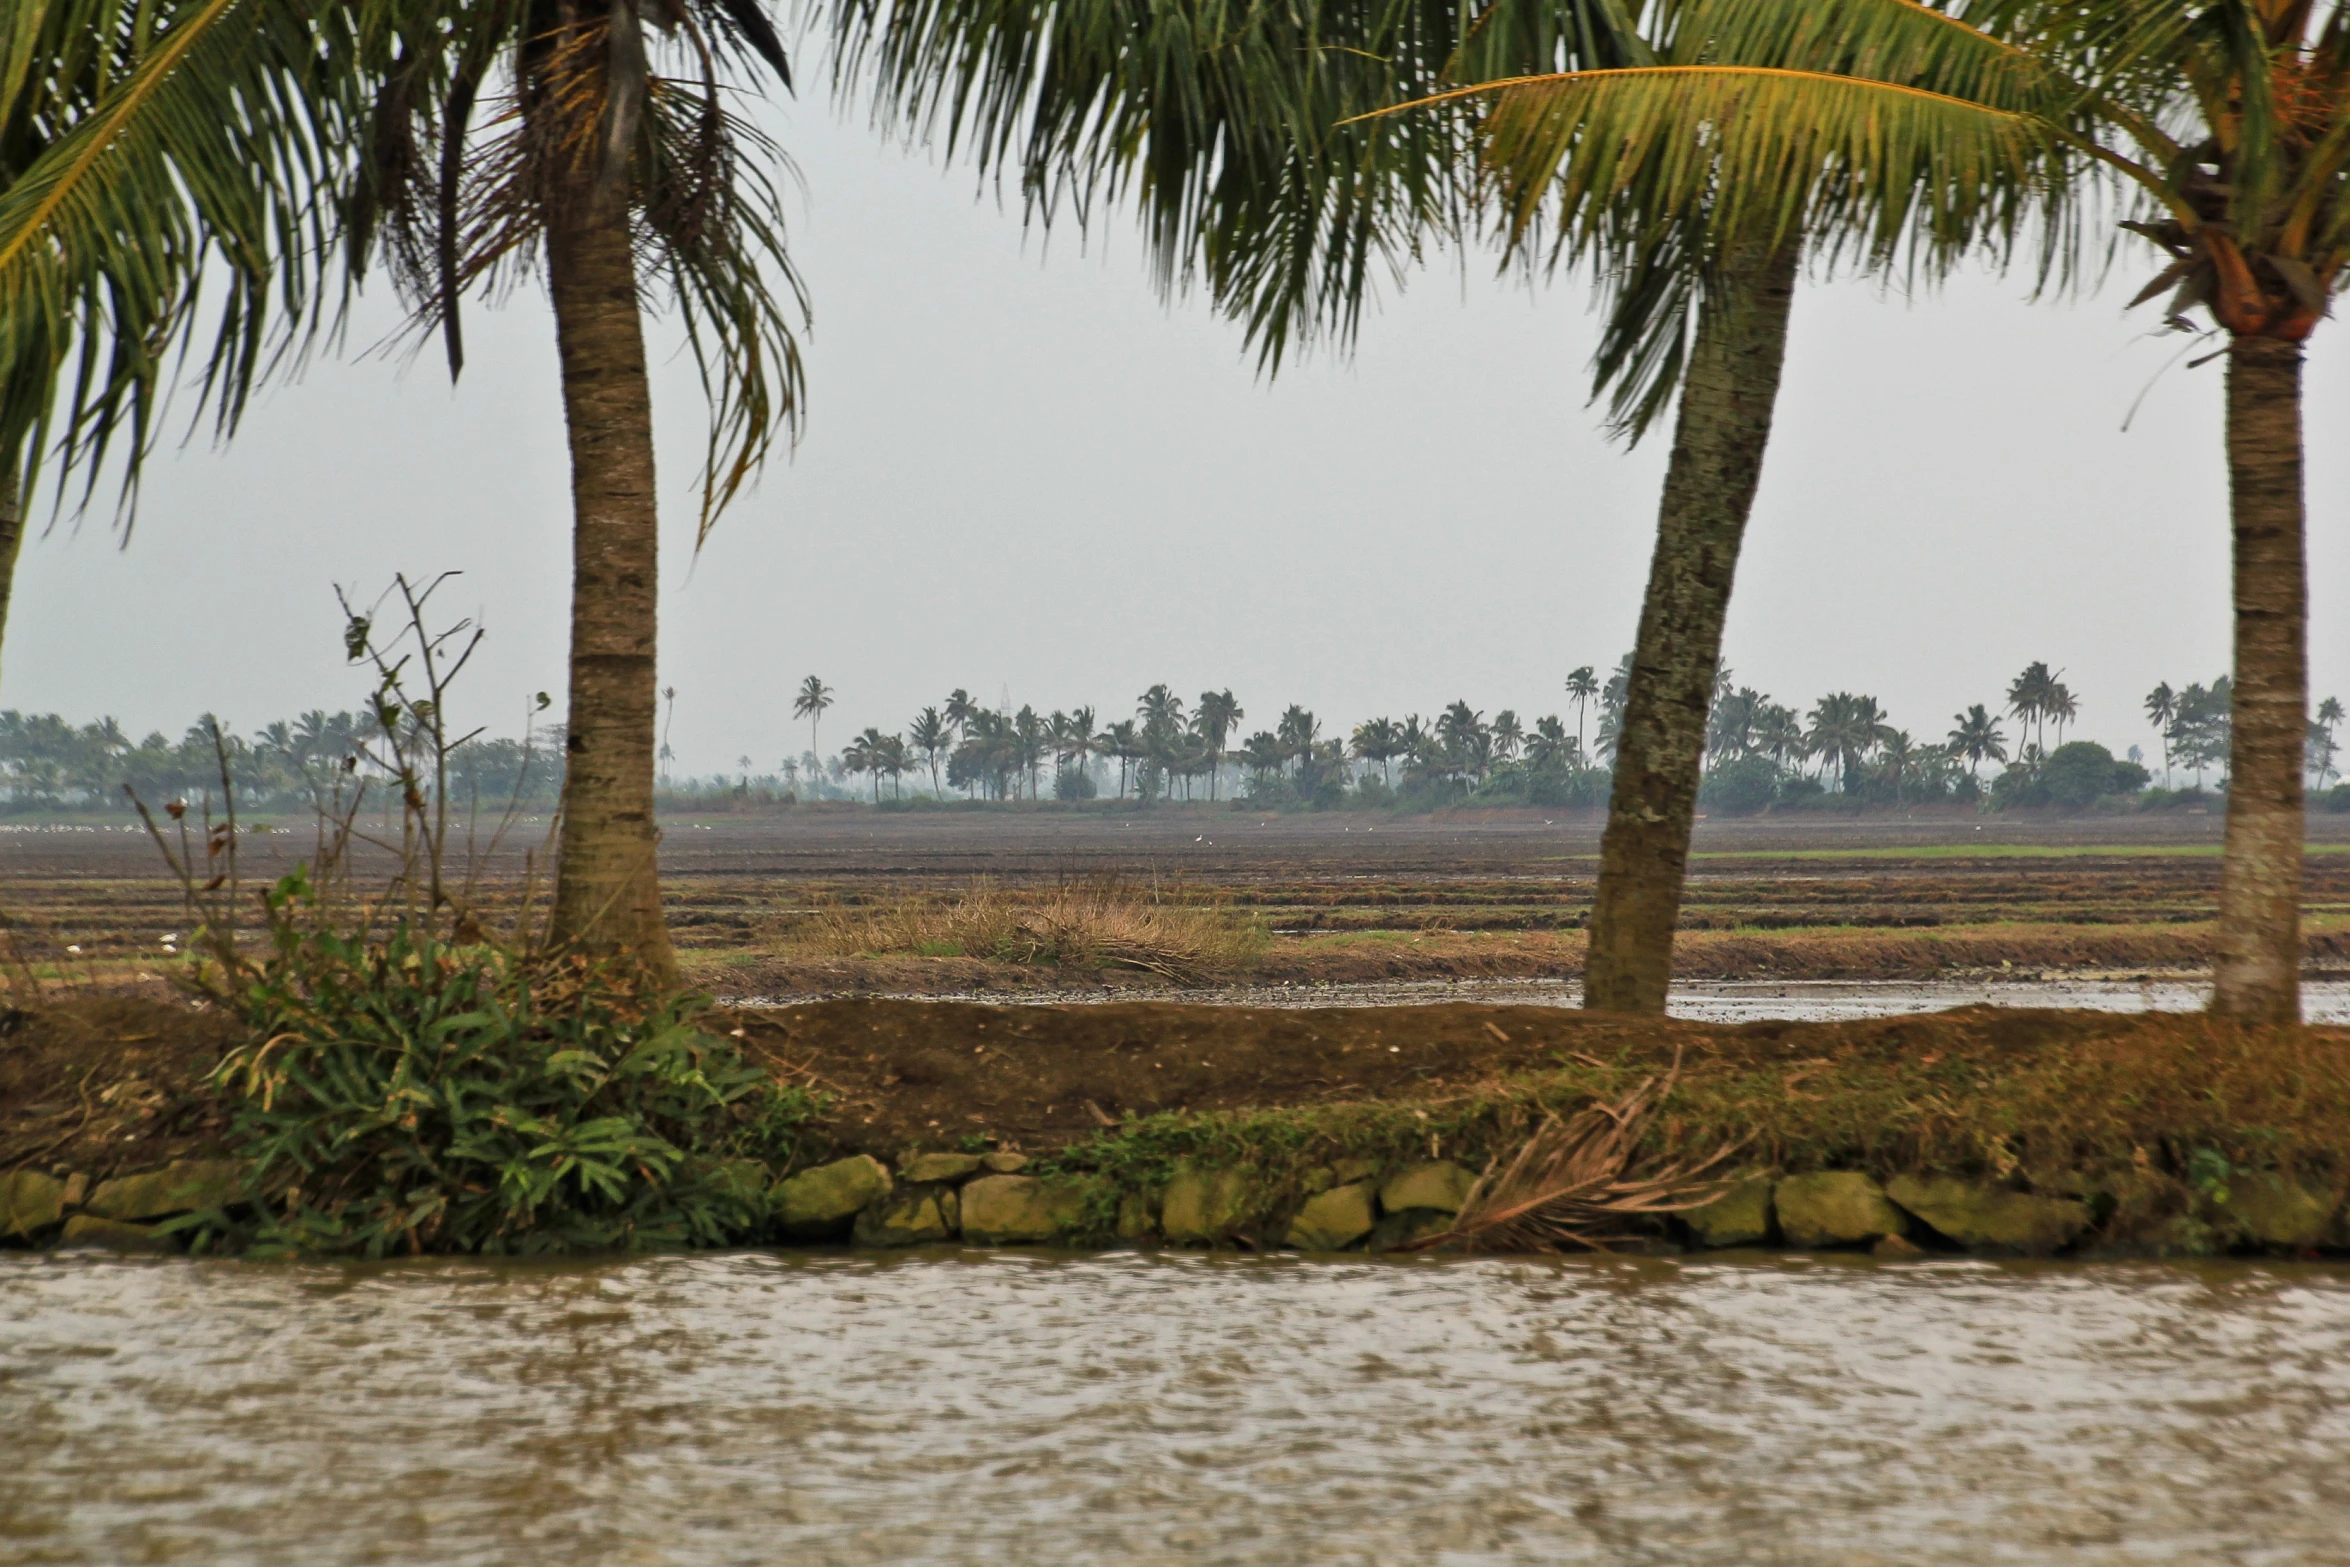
[[1242, 133], [630, 183], [1582, 687], [2227, 128], [2161, 708], [810, 702], [1845, 728], [609, 152], [1213, 720], [1976, 738], [928, 734], [1378, 740], [2031, 697]]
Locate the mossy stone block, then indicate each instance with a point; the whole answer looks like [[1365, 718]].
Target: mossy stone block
[[88, 1232], [1991, 1218], [182, 1186], [29, 1200], [1440, 1185], [1740, 1216], [1333, 1220], [929, 1167], [2274, 1210], [1021, 1210], [1413, 1225], [1835, 1208], [1205, 1205], [909, 1216], [1004, 1163], [1135, 1222], [822, 1203]]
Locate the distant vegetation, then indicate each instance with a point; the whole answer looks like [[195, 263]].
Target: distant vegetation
[[1842, 753]]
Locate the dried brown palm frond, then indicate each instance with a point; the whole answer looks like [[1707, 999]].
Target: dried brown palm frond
[[1580, 1183]]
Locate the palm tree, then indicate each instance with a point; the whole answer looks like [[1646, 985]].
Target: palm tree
[[627, 183], [1977, 739], [1378, 740], [1467, 741], [928, 732], [1844, 728], [1508, 735], [1261, 145], [1032, 741], [813, 698], [960, 709], [2162, 707], [2329, 718], [604, 162], [1213, 720], [2059, 705], [1582, 686], [1122, 741], [2227, 129], [1900, 754], [1779, 735], [2028, 696], [1297, 731], [866, 754]]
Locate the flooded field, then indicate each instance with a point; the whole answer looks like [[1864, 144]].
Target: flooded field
[[779, 905], [955, 1408]]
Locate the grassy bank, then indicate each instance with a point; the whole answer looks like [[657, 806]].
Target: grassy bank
[[2160, 1133]]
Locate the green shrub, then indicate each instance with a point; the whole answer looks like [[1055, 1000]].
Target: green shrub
[[415, 1095], [1741, 786]]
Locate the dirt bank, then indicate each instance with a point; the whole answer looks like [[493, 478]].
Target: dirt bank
[[2161, 1132], [108, 1082]]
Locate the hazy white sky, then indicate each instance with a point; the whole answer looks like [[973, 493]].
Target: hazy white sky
[[1025, 474]]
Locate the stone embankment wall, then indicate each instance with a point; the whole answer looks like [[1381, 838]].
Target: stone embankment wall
[[1001, 1199]]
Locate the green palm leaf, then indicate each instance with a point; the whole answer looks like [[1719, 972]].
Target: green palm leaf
[[164, 145]]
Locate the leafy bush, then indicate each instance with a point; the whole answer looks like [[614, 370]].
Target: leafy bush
[[1741, 786], [2073, 777], [412, 1095], [2082, 772]]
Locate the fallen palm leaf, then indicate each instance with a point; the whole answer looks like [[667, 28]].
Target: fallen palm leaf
[[1575, 1183]]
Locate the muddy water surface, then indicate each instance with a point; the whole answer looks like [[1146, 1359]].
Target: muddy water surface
[[1725, 1001], [995, 1407]]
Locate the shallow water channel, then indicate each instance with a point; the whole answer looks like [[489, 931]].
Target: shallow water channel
[[1715, 1001], [970, 1407]]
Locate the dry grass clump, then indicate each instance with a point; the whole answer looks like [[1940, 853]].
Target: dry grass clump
[[1083, 925]]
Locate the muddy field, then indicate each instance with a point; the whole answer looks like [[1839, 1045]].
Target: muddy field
[[770, 907]]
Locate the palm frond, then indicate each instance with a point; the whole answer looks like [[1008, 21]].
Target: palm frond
[[181, 142], [1235, 132], [1584, 1182]]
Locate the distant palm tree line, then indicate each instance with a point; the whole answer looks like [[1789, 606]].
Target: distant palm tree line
[[1845, 744], [287, 765]]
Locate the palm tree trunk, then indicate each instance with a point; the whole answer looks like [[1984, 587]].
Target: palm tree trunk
[[11, 542], [607, 878], [1723, 426], [2258, 972]]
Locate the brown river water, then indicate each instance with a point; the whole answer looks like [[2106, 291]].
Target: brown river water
[[970, 1407]]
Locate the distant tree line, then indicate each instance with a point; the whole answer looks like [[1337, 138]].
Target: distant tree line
[[290, 765], [1843, 752]]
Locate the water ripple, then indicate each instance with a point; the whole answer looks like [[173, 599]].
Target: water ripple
[[982, 1407]]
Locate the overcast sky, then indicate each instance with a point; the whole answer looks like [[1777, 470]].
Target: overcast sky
[[1026, 475]]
